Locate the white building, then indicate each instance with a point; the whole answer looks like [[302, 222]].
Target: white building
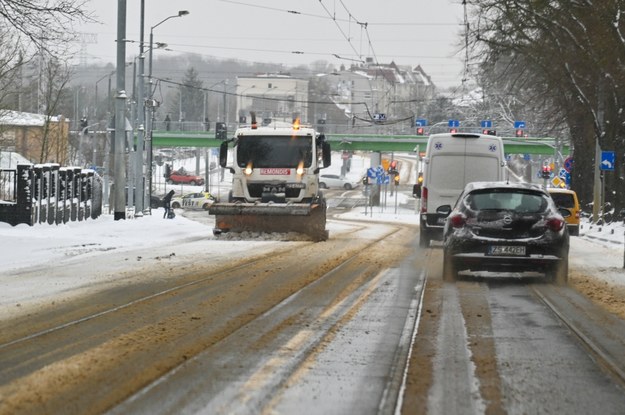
[[277, 97]]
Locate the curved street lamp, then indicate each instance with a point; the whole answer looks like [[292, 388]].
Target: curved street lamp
[[150, 120]]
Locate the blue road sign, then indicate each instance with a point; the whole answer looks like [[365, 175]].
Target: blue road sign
[[568, 164], [371, 173], [486, 124], [420, 123], [607, 160], [519, 124], [454, 123]]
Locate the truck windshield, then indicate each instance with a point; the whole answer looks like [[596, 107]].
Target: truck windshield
[[274, 151]]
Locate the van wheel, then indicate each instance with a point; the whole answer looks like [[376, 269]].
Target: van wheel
[[424, 238]]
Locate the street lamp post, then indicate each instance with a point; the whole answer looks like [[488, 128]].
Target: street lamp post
[[150, 120], [139, 184]]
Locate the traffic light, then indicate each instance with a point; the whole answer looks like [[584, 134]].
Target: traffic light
[[420, 131], [84, 125], [546, 172], [453, 130], [365, 180], [393, 166], [396, 179], [519, 133], [489, 132], [221, 131]]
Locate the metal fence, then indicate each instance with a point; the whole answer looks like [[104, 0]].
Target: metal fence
[[48, 193]]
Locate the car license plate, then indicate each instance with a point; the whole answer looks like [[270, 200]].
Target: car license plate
[[441, 221], [506, 250]]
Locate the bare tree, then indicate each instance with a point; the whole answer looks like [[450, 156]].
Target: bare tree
[[46, 24], [53, 145], [562, 60]]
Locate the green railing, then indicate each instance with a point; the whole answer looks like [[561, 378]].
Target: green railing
[[363, 142]]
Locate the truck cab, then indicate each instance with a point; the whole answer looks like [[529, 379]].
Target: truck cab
[[275, 181]]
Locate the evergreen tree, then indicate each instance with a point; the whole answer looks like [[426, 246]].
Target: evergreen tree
[[191, 107]]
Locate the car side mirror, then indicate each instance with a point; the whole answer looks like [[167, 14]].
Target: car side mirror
[[444, 210], [223, 154]]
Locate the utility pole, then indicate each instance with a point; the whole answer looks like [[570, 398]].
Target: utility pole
[[120, 117], [139, 176], [598, 182]]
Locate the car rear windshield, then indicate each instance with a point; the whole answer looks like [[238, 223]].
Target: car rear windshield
[[455, 171], [564, 200], [506, 199]]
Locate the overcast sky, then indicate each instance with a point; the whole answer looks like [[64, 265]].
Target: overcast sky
[[415, 32]]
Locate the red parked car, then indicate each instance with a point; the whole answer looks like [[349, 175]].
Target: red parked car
[[181, 176]]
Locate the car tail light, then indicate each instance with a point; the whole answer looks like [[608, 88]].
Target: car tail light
[[555, 224], [424, 199], [457, 220]]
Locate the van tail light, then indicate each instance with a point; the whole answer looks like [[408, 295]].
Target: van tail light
[[457, 220], [424, 200], [555, 224]]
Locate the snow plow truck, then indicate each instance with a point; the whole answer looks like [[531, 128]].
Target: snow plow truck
[[275, 184]]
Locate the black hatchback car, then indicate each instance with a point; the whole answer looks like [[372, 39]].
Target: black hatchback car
[[505, 227]]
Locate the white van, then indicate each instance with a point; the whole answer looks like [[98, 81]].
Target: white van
[[451, 161]]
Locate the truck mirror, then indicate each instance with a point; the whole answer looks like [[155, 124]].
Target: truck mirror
[[327, 155], [223, 154]]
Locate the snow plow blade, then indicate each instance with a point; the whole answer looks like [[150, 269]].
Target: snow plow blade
[[270, 217]]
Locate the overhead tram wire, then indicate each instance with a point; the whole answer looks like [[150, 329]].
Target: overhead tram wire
[[295, 12], [275, 9]]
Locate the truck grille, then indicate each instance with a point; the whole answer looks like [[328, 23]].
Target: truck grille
[[256, 190]]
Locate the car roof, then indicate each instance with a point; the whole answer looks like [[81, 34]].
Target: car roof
[[560, 190], [504, 185]]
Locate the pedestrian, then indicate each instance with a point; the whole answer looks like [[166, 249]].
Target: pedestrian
[[167, 122], [167, 203], [207, 124]]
